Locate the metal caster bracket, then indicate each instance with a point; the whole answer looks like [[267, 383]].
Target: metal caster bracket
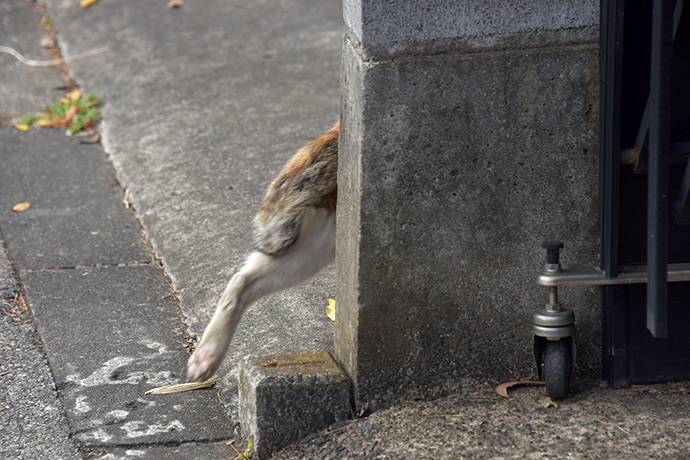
[[554, 332], [554, 323]]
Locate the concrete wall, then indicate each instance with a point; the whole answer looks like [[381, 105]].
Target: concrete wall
[[469, 136]]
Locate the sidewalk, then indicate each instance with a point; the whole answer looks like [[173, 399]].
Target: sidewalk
[[100, 303], [204, 103]]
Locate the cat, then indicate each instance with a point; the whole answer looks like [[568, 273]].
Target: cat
[[293, 238]]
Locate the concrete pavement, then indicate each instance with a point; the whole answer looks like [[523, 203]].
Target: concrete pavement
[[32, 416], [203, 105], [101, 304]]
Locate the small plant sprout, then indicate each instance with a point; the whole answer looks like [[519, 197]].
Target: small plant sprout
[[71, 112]]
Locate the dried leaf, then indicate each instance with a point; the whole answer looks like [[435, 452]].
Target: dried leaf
[[52, 123], [547, 402], [74, 95], [71, 112], [502, 389], [175, 3], [21, 126], [91, 140], [330, 309], [685, 391], [87, 3], [21, 207], [180, 387], [47, 42]]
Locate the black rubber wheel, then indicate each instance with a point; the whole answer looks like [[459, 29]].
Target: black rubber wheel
[[557, 364]]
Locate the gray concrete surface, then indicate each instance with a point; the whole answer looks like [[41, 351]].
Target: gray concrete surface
[[76, 220], [107, 323], [203, 105], [284, 398], [646, 422], [401, 27], [120, 318], [455, 166], [219, 451], [20, 28], [97, 308], [32, 416], [33, 423]]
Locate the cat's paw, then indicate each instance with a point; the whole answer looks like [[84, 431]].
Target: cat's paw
[[203, 363]]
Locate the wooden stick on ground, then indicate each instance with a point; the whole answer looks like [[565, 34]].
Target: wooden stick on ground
[[180, 387]]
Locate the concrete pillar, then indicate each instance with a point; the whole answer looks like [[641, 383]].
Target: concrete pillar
[[469, 136]]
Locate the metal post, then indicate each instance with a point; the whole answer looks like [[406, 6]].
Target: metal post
[[657, 198], [611, 61]]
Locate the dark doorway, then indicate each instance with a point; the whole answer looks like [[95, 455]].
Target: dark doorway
[[645, 180]]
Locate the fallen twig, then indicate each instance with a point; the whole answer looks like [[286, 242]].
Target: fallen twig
[[18, 306], [180, 387], [51, 62], [341, 428], [624, 431], [502, 389], [231, 443]]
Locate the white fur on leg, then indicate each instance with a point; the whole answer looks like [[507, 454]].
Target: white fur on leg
[[261, 275]]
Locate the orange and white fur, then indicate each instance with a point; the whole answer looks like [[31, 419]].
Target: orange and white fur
[[294, 237]]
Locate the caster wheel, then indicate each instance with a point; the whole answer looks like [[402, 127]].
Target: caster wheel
[[557, 365]]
